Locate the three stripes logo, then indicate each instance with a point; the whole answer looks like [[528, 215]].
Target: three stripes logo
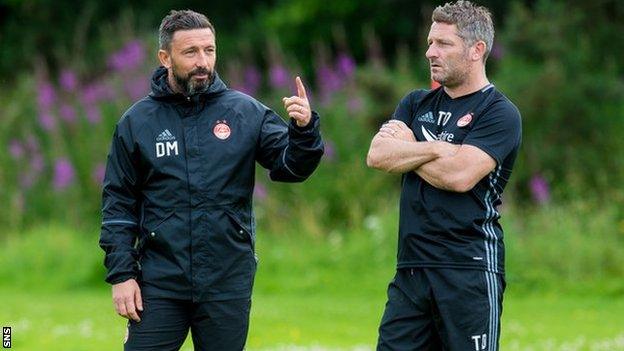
[[166, 144], [165, 136]]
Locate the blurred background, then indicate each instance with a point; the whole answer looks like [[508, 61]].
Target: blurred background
[[327, 248]]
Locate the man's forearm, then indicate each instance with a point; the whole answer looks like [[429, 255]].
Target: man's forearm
[[439, 173], [457, 172], [397, 156]]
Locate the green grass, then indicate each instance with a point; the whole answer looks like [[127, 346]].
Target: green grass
[[565, 289], [85, 320]]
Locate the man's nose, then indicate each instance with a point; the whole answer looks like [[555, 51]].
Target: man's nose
[[202, 60], [431, 52]]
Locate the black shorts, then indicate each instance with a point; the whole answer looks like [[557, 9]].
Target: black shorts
[[442, 309], [214, 325]]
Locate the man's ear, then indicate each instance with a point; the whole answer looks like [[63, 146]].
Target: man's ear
[[165, 58], [478, 50]]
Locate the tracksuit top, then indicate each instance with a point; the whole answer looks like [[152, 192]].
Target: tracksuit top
[[177, 193]]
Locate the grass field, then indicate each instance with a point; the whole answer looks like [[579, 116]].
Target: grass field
[[310, 294], [84, 320]]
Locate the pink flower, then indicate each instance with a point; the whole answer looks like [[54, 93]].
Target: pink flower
[[46, 96], [330, 151], [345, 65], [68, 113], [93, 114], [539, 189], [260, 192], [129, 57], [68, 80], [16, 149], [47, 121], [63, 174], [98, 173], [278, 76]]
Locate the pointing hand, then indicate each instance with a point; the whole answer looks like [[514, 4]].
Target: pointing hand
[[298, 106]]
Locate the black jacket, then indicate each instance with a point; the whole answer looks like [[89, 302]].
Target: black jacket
[[177, 198]]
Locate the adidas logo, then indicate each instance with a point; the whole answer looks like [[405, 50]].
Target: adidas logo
[[427, 117], [165, 136]]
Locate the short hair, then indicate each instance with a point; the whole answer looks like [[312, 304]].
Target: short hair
[[473, 22], [180, 20]]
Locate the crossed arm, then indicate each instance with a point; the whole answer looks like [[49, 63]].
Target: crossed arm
[[446, 166]]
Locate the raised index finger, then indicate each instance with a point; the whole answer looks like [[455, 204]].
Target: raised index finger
[[301, 92]]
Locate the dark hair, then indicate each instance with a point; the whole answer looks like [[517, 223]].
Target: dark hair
[[473, 22], [180, 20]]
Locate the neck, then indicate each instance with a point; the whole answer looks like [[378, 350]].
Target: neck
[[475, 80]]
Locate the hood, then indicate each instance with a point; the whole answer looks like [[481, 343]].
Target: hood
[[162, 91]]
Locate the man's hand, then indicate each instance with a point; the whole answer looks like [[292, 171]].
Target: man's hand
[[127, 299], [396, 129], [298, 106]]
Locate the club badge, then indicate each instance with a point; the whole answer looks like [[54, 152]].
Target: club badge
[[465, 120], [221, 130]]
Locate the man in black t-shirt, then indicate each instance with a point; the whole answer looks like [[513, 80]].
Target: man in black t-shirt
[[455, 146]]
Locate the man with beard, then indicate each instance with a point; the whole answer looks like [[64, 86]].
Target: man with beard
[[178, 228], [455, 146]]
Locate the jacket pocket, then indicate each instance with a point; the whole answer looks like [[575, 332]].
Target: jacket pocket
[[243, 226], [151, 233]]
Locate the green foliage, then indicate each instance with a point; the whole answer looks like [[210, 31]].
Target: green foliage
[[568, 86], [555, 248], [575, 248]]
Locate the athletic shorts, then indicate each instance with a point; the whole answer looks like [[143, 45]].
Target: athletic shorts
[[214, 325], [431, 309]]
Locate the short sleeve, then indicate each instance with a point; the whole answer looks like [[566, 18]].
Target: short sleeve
[[405, 109], [498, 131]]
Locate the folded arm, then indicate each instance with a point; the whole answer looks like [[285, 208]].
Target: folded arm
[[459, 172], [394, 149]]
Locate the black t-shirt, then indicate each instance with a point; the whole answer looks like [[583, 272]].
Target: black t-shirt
[[445, 229]]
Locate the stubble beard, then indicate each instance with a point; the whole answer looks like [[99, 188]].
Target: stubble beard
[[187, 84]]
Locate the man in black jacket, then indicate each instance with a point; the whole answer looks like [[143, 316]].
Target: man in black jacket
[[178, 227]]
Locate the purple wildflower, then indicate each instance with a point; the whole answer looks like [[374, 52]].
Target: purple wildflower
[[68, 80], [16, 149], [46, 96], [63, 174], [330, 150], [539, 189], [36, 164], [278, 75], [251, 80], [498, 51], [98, 173], [94, 93], [328, 82], [129, 57], [136, 87], [345, 65], [47, 121], [93, 114], [68, 113], [260, 192]]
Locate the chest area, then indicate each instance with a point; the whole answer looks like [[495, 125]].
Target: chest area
[[444, 119], [213, 135]]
